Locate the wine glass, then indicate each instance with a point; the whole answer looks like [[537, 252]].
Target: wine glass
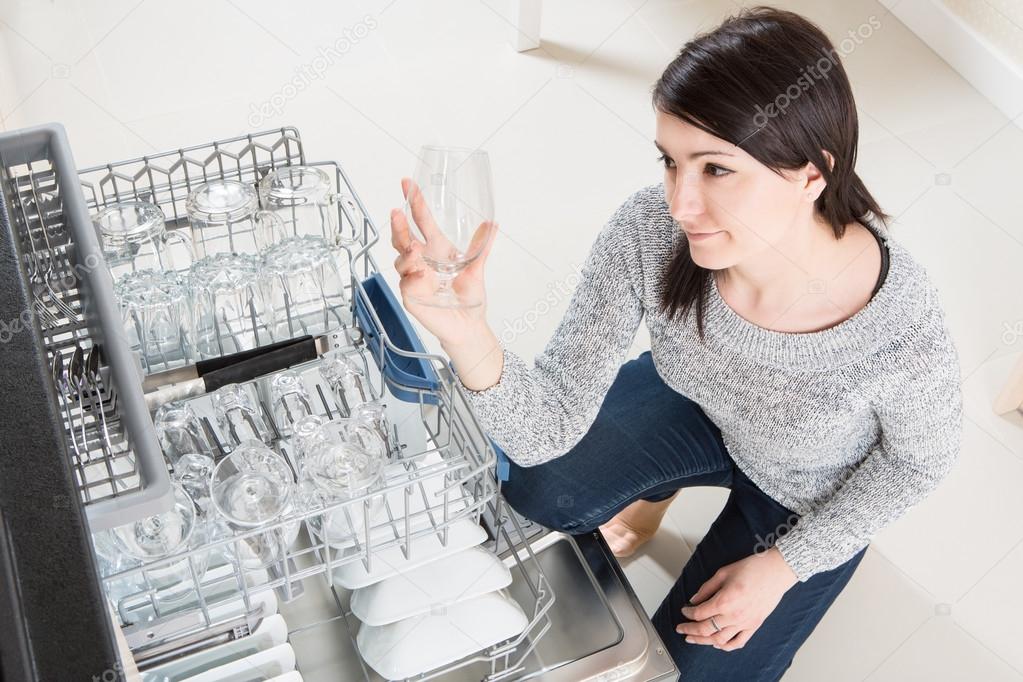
[[252, 487], [339, 464], [160, 536], [450, 208]]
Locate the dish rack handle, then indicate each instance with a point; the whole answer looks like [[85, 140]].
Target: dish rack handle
[[399, 352]]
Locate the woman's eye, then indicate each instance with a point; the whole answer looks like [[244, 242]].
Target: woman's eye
[[712, 170]]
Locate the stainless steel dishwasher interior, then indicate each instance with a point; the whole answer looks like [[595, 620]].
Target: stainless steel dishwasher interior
[[598, 629]]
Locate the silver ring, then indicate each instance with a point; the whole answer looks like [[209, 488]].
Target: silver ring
[[716, 628]]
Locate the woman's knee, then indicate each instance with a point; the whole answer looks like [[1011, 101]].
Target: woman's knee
[[540, 495]]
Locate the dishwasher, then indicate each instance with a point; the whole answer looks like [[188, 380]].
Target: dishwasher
[[81, 456]]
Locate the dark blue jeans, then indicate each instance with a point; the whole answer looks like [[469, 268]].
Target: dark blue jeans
[[647, 442]]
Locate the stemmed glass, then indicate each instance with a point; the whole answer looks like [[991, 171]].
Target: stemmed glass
[[252, 487], [339, 463], [450, 209], [160, 536]]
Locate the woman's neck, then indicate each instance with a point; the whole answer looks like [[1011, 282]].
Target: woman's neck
[[808, 280]]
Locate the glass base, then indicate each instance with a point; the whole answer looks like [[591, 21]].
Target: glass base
[[446, 298]]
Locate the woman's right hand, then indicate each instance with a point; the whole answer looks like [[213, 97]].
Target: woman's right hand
[[453, 326]]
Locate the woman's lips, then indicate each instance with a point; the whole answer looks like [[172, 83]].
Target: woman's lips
[[700, 236]]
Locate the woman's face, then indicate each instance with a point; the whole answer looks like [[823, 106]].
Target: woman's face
[[713, 186]]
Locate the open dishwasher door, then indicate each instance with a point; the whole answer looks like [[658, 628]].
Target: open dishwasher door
[[599, 630]]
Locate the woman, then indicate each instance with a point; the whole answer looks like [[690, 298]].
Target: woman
[[799, 355]]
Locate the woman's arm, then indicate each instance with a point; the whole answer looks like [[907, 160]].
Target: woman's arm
[[920, 413], [536, 413]]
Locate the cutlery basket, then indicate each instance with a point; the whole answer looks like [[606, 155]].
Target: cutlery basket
[[114, 454]]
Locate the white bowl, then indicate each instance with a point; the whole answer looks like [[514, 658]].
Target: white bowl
[[462, 534], [415, 645], [445, 581]]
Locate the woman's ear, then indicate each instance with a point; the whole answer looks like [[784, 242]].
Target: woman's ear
[[813, 179]]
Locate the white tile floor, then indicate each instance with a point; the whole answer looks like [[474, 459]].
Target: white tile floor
[[570, 128]]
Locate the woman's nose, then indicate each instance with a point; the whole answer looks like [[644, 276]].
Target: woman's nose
[[687, 200]]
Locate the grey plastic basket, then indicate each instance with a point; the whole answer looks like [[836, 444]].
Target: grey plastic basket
[[116, 458]]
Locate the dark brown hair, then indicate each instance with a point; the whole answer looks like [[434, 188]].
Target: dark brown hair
[[771, 82]]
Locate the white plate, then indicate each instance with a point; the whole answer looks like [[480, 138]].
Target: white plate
[[462, 534], [269, 663], [272, 631], [467, 574], [421, 643]]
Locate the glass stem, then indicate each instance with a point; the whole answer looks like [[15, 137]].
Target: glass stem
[[444, 280]]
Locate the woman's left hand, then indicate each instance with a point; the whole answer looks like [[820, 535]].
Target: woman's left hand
[[740, 597]]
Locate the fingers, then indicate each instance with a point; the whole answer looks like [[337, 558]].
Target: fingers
[[410, 260], [737, 642], [706, 598], [400, 236], [703, 628], [420, 211], [717, 639], [408, 280]]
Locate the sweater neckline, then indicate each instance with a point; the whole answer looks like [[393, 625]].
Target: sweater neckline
[[895, 305]]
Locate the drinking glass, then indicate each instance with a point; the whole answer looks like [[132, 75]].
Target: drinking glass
[[238, 414], [337, 526], [305, 289], [194, 473], [373, 416], [303, 198], [134, 236], [179, 431], [290, 400], [163, 535], [346, 381], [156, 312], [305, 433], [224, 217], [450, 209], [338, 463], [230, 312], [252, 487]]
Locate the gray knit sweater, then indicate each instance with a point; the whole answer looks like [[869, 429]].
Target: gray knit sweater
[[848, 427]]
